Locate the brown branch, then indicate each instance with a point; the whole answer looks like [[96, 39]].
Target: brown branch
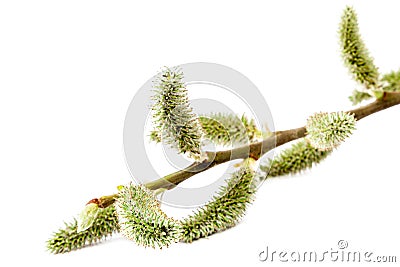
[[256, 150]]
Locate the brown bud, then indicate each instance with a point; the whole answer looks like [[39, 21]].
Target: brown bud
[[94, 200]]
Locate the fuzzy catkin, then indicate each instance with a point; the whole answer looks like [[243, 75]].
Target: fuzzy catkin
[[355, 55], [325, 131], [225, 210], [297, 158], [224, 129], [229, 129], [392, 81], [359, 96], [173, 117], [141, 219], [68, 238]]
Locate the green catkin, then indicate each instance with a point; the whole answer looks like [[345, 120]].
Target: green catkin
[[136, 211], [225, 210], [173, 118], [299, 157], [67, 239], [392, 81], [355, 55], [325, 131], [228, 129], [141, 219], [224, 129], [359, 96]]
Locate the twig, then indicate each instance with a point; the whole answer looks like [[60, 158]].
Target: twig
[[256, 150]]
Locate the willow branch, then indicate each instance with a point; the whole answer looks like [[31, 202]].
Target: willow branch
[[258, 149]]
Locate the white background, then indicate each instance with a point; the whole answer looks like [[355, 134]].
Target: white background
[[69, 69]]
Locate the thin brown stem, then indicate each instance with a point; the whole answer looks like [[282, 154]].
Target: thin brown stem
[[256, 150]]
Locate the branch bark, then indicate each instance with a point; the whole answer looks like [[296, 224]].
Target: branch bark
[[256, 150]]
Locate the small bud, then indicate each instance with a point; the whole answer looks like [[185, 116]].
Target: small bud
[[360, 96], [391, 81], [378, 94], [87, 216]]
